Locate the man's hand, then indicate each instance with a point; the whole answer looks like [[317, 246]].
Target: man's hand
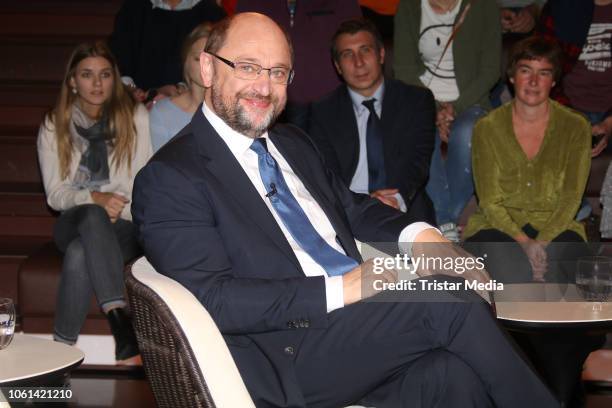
[[358, 284], [387, 196], [113, 203], [602, 128], [432, 245]]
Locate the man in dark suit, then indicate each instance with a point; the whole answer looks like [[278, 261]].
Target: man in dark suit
[[245, 215], [403, 117]]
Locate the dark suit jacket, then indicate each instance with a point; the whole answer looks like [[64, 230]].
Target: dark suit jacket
[[202, 223], [408, 121]]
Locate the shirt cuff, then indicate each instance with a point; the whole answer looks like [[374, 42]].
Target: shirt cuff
[[334, 293], [409, 234], [83, 197], [402, 203]]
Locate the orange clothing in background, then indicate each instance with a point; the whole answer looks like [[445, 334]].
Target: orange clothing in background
[[385, 7], [230, 6]]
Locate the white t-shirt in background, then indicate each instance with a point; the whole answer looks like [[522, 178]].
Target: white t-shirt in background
[[435, 32]]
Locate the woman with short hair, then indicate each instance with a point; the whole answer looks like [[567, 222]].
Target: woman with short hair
[[531, 160]]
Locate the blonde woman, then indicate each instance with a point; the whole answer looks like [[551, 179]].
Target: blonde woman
[[90, 147], [168, 116]]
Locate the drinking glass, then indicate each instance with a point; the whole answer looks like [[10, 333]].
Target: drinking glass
[[594, 279], [7, 321]]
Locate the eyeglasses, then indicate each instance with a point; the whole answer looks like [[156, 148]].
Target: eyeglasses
[[250, 71]]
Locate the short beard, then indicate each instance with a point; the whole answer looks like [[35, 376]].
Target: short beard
[[237, 117]]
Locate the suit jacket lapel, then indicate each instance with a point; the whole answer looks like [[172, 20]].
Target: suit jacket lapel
[[223, 165], [348, 132], [388, 116]]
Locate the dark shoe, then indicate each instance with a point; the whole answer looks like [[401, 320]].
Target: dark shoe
[[126, 345]]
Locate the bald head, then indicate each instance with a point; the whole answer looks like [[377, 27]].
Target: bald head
[[249, 25]]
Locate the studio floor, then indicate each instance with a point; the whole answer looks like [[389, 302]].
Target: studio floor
[[101, 388]]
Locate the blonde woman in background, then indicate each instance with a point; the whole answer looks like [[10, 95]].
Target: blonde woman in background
[[90, 147], [168, 116]]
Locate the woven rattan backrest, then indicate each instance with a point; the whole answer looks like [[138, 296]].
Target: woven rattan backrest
[[169, 362]]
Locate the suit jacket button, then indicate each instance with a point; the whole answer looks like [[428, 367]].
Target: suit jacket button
[[289, 350], [307, 324]]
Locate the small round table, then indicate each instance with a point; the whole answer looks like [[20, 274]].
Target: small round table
[[31, 361], [555, 327]]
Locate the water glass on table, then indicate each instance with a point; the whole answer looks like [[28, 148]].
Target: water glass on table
[[594, 279], [7, 321]]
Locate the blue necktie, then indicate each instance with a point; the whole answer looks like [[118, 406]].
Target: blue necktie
[[374, 144], [294, 218]]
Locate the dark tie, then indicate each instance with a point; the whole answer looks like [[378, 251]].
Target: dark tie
[[374, 144], [294, 218]]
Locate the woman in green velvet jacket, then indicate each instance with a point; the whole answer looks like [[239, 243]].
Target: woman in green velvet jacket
[[531, 160]]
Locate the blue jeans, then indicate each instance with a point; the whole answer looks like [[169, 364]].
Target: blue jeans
[[95, 252], [450, 184]]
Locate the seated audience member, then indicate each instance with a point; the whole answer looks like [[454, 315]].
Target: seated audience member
[[146, 40], [170, 115], [244, 214], [376, 133], [531, 161], [90, 147], [310, 25], [453, 48], [583, 29]]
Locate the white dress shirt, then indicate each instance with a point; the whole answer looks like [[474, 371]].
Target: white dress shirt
[[239, 145]]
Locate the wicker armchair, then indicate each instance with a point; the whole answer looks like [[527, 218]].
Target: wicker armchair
[[185, 357]]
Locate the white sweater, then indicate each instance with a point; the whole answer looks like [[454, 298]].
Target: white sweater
[[62, 195]]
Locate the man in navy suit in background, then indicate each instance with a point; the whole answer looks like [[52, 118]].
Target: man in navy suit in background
[[402, 116], [244, 214]]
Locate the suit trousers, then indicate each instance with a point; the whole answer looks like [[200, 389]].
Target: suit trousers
[[435, 349]]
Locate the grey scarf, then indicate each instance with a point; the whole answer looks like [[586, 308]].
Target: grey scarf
[[90, 138]]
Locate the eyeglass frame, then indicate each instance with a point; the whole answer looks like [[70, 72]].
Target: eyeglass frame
[[232, 65]]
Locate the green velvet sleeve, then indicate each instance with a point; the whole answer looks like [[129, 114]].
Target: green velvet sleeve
[[486, 171], [489, 58], [407, 63], [577, 168]]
